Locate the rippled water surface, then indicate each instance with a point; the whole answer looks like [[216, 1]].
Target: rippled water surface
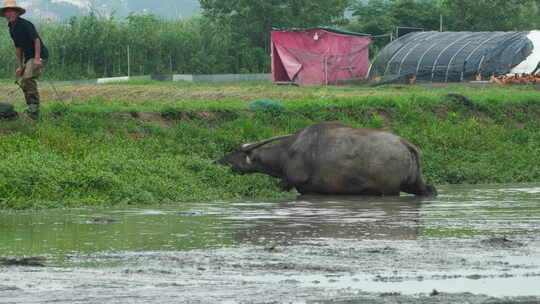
[[483, 240]]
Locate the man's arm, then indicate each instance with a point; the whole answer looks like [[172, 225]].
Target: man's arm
[[20, 65], [37, 57], [19, 54], [37, 45], [33, 34]]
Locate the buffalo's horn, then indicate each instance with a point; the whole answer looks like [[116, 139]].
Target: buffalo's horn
[[252, 146]]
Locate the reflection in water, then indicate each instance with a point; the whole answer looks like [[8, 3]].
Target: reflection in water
[[313, 247], [460, 211], [313, 217], [61, 233]]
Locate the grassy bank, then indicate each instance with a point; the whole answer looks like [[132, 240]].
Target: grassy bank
[[104, 151]]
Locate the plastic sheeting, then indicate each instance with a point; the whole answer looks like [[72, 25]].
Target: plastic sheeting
[[531, 63], [318, 56], [451, 56]]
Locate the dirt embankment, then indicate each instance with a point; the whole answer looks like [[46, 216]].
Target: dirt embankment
[[139, 94], [182, 92]]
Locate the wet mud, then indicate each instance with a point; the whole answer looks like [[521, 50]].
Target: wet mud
[[471, 245], [31, 261]]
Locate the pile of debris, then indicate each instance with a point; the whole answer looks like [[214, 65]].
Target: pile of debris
[[7, 112], [523, 79]]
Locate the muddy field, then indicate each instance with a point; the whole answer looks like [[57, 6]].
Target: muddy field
[[471, 245]]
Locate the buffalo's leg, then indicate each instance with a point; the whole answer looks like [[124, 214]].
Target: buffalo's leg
[[284, 185]]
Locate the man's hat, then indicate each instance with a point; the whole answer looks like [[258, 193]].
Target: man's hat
[[11, 4]]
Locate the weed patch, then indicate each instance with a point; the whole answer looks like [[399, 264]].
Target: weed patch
[[109, 152]]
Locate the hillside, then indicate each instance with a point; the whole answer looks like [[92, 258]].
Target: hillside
[[63, 9]]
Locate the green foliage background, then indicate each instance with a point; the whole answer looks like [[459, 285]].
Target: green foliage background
[[91, 47], [231, 36]]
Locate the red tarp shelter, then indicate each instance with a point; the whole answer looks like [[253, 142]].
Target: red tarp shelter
[[319, 56]]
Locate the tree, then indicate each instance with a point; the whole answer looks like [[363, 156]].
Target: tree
[[372, 17], [381, 17], [491, 15], [416, 13], [378, 17], [253, 19]]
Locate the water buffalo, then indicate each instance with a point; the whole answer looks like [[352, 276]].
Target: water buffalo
[[334, 159]]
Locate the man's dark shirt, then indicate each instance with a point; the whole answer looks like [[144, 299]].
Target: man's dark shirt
[[24, 33]]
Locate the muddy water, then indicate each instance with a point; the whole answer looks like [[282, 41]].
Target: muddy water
[[474, 244]]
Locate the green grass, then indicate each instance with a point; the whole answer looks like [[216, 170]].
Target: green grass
[[101, 152]]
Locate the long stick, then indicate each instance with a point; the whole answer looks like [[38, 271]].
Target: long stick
[[16, 89], [128, 61], [55, 91]]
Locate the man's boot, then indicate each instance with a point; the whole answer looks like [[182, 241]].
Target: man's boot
[[33, 111]]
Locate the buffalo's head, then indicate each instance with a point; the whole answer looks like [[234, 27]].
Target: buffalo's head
[[244, 160]]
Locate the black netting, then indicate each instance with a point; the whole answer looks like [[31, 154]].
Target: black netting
[[451, 56]]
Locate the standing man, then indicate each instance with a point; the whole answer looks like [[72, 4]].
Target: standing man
[[31, 53]]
